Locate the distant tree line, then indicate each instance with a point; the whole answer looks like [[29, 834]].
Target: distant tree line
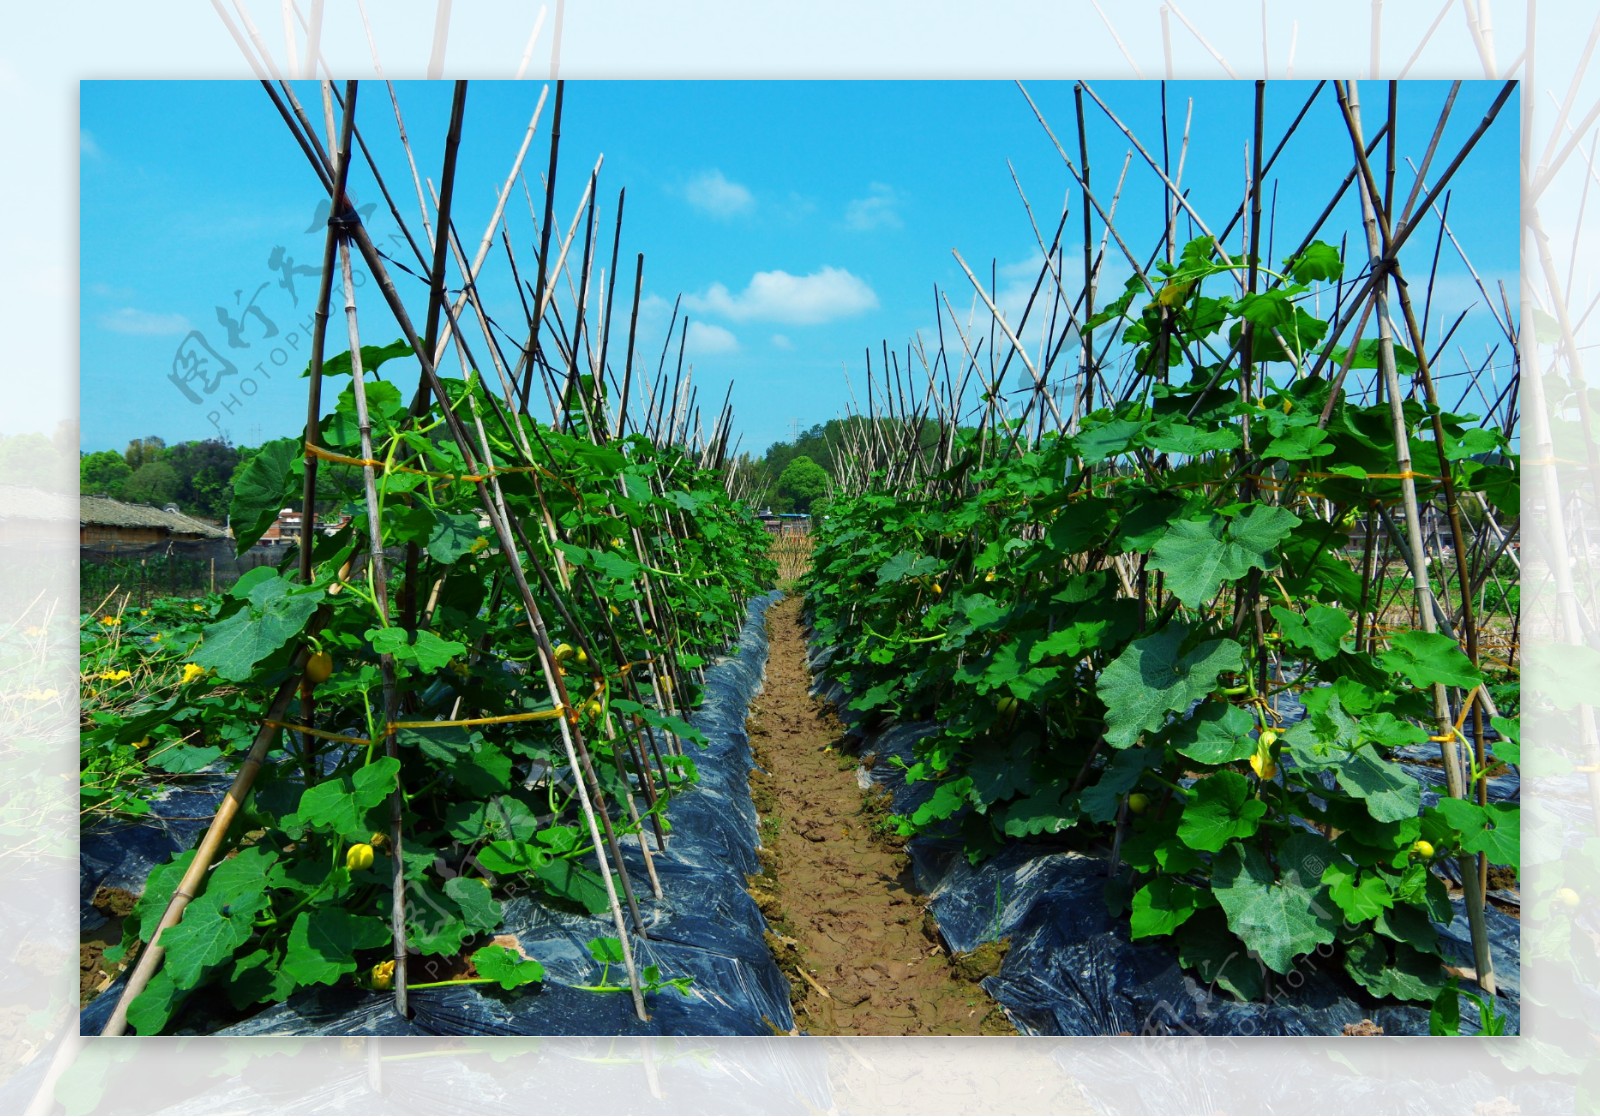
[[795, 476], [196, 476]]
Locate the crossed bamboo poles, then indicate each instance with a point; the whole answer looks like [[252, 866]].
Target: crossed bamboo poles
[[672, 421], [905, 433]]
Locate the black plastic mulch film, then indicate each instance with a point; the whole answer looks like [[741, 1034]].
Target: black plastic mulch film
[[705, 927]]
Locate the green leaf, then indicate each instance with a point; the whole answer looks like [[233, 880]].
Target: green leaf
[[1509, 747], [949, 798], [261, 489], [149, 1012], [1216, 733], [906, 565], [1366, 356], [258, 978], [1106, 439], [506, 966], [1206, 946], [1318, 632], [1000, 772], [428, 652], [1162, 906], [1174, 436], [480, 910], [371, 357], [276, 612], [209, 932], [1051, 809], [1101, 801], [1278, 919], [1390, 793], [1220, 809], [568, 880], [1426, 658], [606, 950], [511, 857], [323, 942], [1316, 261], [1198, 556], [1151, 679], [1298, 443], [158, 889], [1361, 896], [1393, 969], [453, 536], [183, 759], [341, 805], [1494, 830]]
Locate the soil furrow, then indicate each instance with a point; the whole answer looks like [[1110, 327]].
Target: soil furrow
[[848, 928]]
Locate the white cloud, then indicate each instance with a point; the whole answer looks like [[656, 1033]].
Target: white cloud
[[878, 210], [777, 296], [705, 339], [779, 341], [86, 145], [712, 192], [127, 320]]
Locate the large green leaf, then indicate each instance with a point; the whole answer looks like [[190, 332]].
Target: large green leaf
[[342, 805], [1101, 801], [1361, 896], [453, 535], [1199, 556], [261, 489], [1220, 809], [1152, 679], [506, 966], [1162, 906], [480, 910], [1216, 733], [427, 651], [1318, 632], [569, 880], [1278, 919], [906, 565], [1494, 830], [1052, 808], [371, 357], [209, 932], [1397, 970], [275, 613], [323, 942], [1390, 793], [149, 1012], [1316, 261], [1426, 658]]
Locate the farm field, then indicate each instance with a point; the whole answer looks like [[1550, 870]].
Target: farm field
[[1136, 652]]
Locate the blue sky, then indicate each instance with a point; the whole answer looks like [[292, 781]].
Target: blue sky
[[801, 222]]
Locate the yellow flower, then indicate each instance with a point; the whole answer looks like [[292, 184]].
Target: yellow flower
[[33, 630], [157, 636], [37, 695], [191, 672], [115, 676], [144, 612], [111, 622], [198, 608], [383, 975]]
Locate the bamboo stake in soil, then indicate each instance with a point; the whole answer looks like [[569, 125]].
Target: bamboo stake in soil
[[1445, 726]]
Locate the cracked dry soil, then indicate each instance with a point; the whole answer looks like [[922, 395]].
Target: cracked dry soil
[[851, 935]]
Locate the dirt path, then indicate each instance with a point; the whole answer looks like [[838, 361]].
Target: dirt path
[[847, 929]]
